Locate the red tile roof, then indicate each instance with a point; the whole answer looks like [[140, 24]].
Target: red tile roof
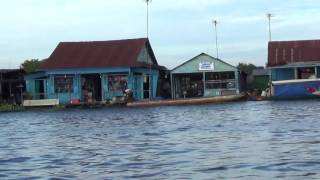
[[288, 52], [98, 54]]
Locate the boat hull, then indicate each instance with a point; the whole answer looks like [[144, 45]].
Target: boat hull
[[180, 102], [296, 89]]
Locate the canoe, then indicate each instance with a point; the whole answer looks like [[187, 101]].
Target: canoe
[[192, 101]]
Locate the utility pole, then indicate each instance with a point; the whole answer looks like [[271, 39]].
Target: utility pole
[[147, 2], [147, 53], [269, 16], [215, 23]]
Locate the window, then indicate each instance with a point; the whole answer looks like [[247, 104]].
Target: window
[[220, 80], [306, 73], [63, 84], [117, 82]]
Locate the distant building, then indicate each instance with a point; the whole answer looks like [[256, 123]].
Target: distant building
[[97, 71], [11, 85], [204, 76], [260, 79], [295, 68]]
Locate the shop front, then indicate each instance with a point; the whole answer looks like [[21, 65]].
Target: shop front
[[204, 76]]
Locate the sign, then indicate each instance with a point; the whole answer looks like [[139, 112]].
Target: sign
[[206, 66]]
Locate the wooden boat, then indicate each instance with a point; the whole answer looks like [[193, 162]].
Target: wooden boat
[[193, 101]]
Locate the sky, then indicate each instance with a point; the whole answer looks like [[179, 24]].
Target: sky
[[178, 30]]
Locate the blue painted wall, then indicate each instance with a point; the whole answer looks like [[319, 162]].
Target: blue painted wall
[[296, 90], [135, 82], [282, 74]]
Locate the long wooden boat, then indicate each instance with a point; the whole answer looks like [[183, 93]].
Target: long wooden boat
[[193, 101]]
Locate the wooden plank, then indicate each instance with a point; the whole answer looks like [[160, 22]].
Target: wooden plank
[[41, 102]]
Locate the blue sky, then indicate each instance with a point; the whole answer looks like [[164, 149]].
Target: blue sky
[[179, 29]]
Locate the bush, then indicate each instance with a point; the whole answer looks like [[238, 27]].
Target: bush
[[10, 108], [59, 106], [27, 96]]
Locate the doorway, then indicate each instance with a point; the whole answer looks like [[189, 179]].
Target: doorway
[[146, 87], [189, 85], [91, 88], [39, 89]]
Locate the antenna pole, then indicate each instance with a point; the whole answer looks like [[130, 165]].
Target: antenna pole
[[147, 1], [269, 15], [215, 22], [150, 63]]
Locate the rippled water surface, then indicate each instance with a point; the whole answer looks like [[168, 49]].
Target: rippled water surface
[[246, 140]]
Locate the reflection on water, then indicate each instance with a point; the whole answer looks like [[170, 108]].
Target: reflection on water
[[247, 140]]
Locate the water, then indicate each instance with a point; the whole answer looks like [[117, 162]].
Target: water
[[246, 140]]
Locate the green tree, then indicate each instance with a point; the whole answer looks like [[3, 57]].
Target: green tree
[[246, 67], [31, 65]]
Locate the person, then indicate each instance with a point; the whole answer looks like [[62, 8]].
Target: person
[[128, 95]]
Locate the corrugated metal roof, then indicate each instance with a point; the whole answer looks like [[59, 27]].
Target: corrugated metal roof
[[261, 72], [285, 52], [98, 54]]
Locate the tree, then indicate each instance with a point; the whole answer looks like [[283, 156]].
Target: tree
[[31, 65], [246, 67]]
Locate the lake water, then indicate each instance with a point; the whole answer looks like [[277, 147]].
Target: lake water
[[245, 140]]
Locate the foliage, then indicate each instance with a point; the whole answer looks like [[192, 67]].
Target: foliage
[[10, 108], [27, 96], [246, 67], [59, 106], [31, 65]]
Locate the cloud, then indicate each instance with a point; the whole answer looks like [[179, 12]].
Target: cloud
[[179, 29]]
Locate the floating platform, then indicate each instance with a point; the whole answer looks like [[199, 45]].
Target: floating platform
[[193, 101]]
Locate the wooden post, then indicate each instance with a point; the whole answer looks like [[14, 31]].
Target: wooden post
[[295, 73], [204, 83], [316, 72], [172, 87], [237, 81], [0, 87]]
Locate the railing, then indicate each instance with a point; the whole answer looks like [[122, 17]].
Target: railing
[[221, 84]]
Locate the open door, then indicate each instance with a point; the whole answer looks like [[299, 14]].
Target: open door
[[146, 87], [91, 88], [39, 89]]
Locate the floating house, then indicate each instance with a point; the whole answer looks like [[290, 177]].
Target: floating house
[[97, 71], [295, 68], [12, 85], [204, 76]]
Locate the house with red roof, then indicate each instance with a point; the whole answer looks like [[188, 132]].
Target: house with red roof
[[295, 68], [97, 71]]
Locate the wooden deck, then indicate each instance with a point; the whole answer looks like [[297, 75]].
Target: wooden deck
[[193, 101]]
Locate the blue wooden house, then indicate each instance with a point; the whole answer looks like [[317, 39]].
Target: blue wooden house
[[204, 76], [99, 70], [295, 68]]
